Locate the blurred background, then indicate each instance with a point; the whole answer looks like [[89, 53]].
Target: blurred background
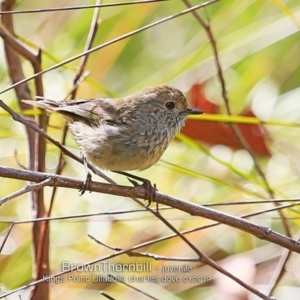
[[258, 45]]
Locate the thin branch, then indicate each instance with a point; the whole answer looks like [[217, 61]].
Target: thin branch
[[106, 295], [16, 45], [68, 217], [235, 129], [161, 257], [104, 245], [261, 232], [11, 41], [88, 46], [136, 211], [279, 271], [77, 83], [280, 268], [206, 259], [26, 189], [120, 38], [279, 201], [41, 10], [202, 258], [105, 258], [6, 237], [133, 287]]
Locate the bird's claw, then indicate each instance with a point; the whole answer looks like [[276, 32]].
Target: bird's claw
[[150, 190], [86, 184]]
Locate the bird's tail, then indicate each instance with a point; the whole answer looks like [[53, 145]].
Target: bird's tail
[[44, 103]]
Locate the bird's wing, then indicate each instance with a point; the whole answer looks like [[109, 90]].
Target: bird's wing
[[87, 111]]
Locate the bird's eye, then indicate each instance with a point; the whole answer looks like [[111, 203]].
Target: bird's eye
[[170, 105]]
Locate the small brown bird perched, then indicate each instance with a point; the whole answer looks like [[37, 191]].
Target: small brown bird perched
[[123, 134]]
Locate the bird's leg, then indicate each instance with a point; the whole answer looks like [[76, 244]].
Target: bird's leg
[[87, 183], [150, 189]]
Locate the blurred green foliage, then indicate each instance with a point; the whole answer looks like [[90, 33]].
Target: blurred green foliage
[[258, 44]]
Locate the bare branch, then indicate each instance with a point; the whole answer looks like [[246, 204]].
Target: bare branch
[[261, 232], [6, 237], [161, 257], [106, 295], [26, 189], [41, 10], [36, 142], [88, 45], [102, 244]]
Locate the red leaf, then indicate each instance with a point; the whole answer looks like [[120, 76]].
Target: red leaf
[[221, 133]]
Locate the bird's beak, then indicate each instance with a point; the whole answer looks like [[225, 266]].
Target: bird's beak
[[193, 111]]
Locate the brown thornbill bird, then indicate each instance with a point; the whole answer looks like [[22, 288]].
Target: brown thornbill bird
[[123, 134]]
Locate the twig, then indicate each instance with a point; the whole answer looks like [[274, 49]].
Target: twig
[[105, 258], [6, 236], [40, 10], [206, 259], [102, 244], [97, 261], [106, 295], [133, 288], [26, 189], [161, 257], [120, 38], [88, 45], [280, 268], [76, 84], [67, 217], [279, 271], [134, 211]]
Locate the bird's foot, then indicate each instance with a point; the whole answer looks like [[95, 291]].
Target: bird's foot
[[150, 190], [86, 184]]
